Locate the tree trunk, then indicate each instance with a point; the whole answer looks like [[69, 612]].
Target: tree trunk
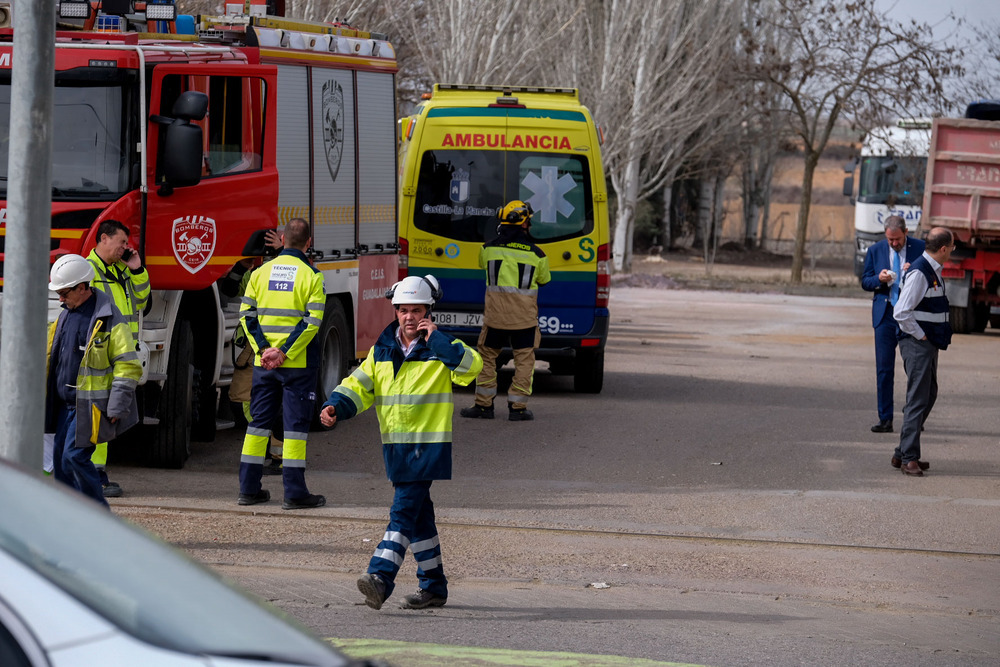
[[666, 233], [802, 227]]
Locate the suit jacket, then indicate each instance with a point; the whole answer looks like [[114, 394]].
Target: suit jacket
[[878, 257]]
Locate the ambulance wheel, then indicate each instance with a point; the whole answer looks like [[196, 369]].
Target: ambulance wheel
[[588, 375], [334, 340], [171, 441]]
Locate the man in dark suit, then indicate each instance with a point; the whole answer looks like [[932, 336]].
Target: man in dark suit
[[885, 264]]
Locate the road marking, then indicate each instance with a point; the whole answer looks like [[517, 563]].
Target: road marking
[[415, 654]]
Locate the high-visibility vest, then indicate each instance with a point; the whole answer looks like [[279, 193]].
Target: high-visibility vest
[[412, 396], [128, 290], [108, 375], [515, 267], [283, 307]]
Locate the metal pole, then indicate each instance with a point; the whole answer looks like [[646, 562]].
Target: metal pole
[[26, 250]]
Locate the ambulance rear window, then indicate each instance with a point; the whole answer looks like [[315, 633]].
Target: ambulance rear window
[[459, 193]]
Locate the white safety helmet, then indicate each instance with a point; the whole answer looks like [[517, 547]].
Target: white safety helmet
[[70, 271], [423, 290]]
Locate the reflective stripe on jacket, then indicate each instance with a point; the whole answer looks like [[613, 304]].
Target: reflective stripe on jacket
[[107, 379], [129, 291], [515, 267], [932, 312], [413, 399], [283, 307]]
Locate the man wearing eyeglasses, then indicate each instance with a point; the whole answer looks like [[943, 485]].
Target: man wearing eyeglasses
[[924, 330], [91, 375]]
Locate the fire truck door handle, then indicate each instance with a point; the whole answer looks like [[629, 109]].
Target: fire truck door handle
[[379, 247], [362, 249]]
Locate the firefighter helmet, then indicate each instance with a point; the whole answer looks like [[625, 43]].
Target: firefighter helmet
[[70, 271], [415, 290], [515, 213]]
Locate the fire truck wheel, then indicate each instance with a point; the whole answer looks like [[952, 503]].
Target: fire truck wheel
[[171, 441], [334, 336], [588, 375]]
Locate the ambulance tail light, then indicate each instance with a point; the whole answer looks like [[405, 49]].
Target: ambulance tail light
[[404, 258], [603, 275]]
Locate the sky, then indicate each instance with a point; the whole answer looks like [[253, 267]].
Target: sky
[[934, 11]]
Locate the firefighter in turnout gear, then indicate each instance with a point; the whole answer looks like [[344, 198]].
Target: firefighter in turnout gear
[[281, 311], [91, 375], [408, 376], [515, 267], [119, 273]]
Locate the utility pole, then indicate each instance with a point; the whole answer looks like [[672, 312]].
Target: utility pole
[[26, 248]]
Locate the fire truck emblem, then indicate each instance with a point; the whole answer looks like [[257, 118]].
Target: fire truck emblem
[[333, 125], [194, 241], [459, 190]]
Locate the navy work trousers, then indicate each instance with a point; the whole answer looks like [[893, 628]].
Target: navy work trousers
[[411, 525]]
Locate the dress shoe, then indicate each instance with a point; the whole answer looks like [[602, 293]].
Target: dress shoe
[[896, 463], [884, 426], [912, 468]]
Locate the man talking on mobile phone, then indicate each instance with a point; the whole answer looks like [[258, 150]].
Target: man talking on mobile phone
[[119, 273]]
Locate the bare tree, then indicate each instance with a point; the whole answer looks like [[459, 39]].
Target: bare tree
[[833, 59], [654, 73]]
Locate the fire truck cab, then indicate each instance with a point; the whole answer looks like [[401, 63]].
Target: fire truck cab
[[200, 143]]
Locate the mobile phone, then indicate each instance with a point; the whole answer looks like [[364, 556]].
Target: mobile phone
[[127, 254]]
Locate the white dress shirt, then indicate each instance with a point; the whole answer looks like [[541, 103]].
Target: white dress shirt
[[911, 294]]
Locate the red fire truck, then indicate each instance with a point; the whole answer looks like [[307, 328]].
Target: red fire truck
[[201, 134]]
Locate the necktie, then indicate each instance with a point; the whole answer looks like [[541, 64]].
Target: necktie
[[894, 288]]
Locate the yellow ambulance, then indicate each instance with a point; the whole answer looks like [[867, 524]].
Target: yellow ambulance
[[467, 151]]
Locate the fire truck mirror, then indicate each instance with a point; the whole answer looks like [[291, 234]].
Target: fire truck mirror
[[191, 105], [182, 154]]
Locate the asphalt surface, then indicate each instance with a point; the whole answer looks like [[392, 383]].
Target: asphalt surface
[[721, 502]]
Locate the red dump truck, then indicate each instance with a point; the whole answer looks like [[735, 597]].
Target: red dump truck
[[962, 193]]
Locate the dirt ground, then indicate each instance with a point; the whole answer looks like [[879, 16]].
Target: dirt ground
[[737, 269]]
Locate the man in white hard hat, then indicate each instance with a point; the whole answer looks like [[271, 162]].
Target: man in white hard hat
[[85, 404], [408, 376]]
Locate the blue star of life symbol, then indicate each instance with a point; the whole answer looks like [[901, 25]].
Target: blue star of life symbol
[[549, 196]]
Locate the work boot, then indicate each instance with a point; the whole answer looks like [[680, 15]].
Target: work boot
[[304, 503], [373, 588], [112, 490], [519, 414], [421, 600], [261, 496], [477, 412]]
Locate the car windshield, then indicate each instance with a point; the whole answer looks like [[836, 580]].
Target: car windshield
[[88, 160], [137, 582], [892, 180], [460, 191]]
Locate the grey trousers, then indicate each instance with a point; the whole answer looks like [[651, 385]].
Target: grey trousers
[[920, 361]]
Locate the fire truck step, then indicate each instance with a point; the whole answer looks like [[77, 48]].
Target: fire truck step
[[150, 421], [222, 424], [156, 377]]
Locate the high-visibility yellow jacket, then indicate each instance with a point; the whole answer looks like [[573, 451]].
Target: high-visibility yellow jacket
[[412, 397], [515, 267], [107, 378], [283, 307], [128, 290]]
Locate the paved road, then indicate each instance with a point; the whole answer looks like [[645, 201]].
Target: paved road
[[725, 486]]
